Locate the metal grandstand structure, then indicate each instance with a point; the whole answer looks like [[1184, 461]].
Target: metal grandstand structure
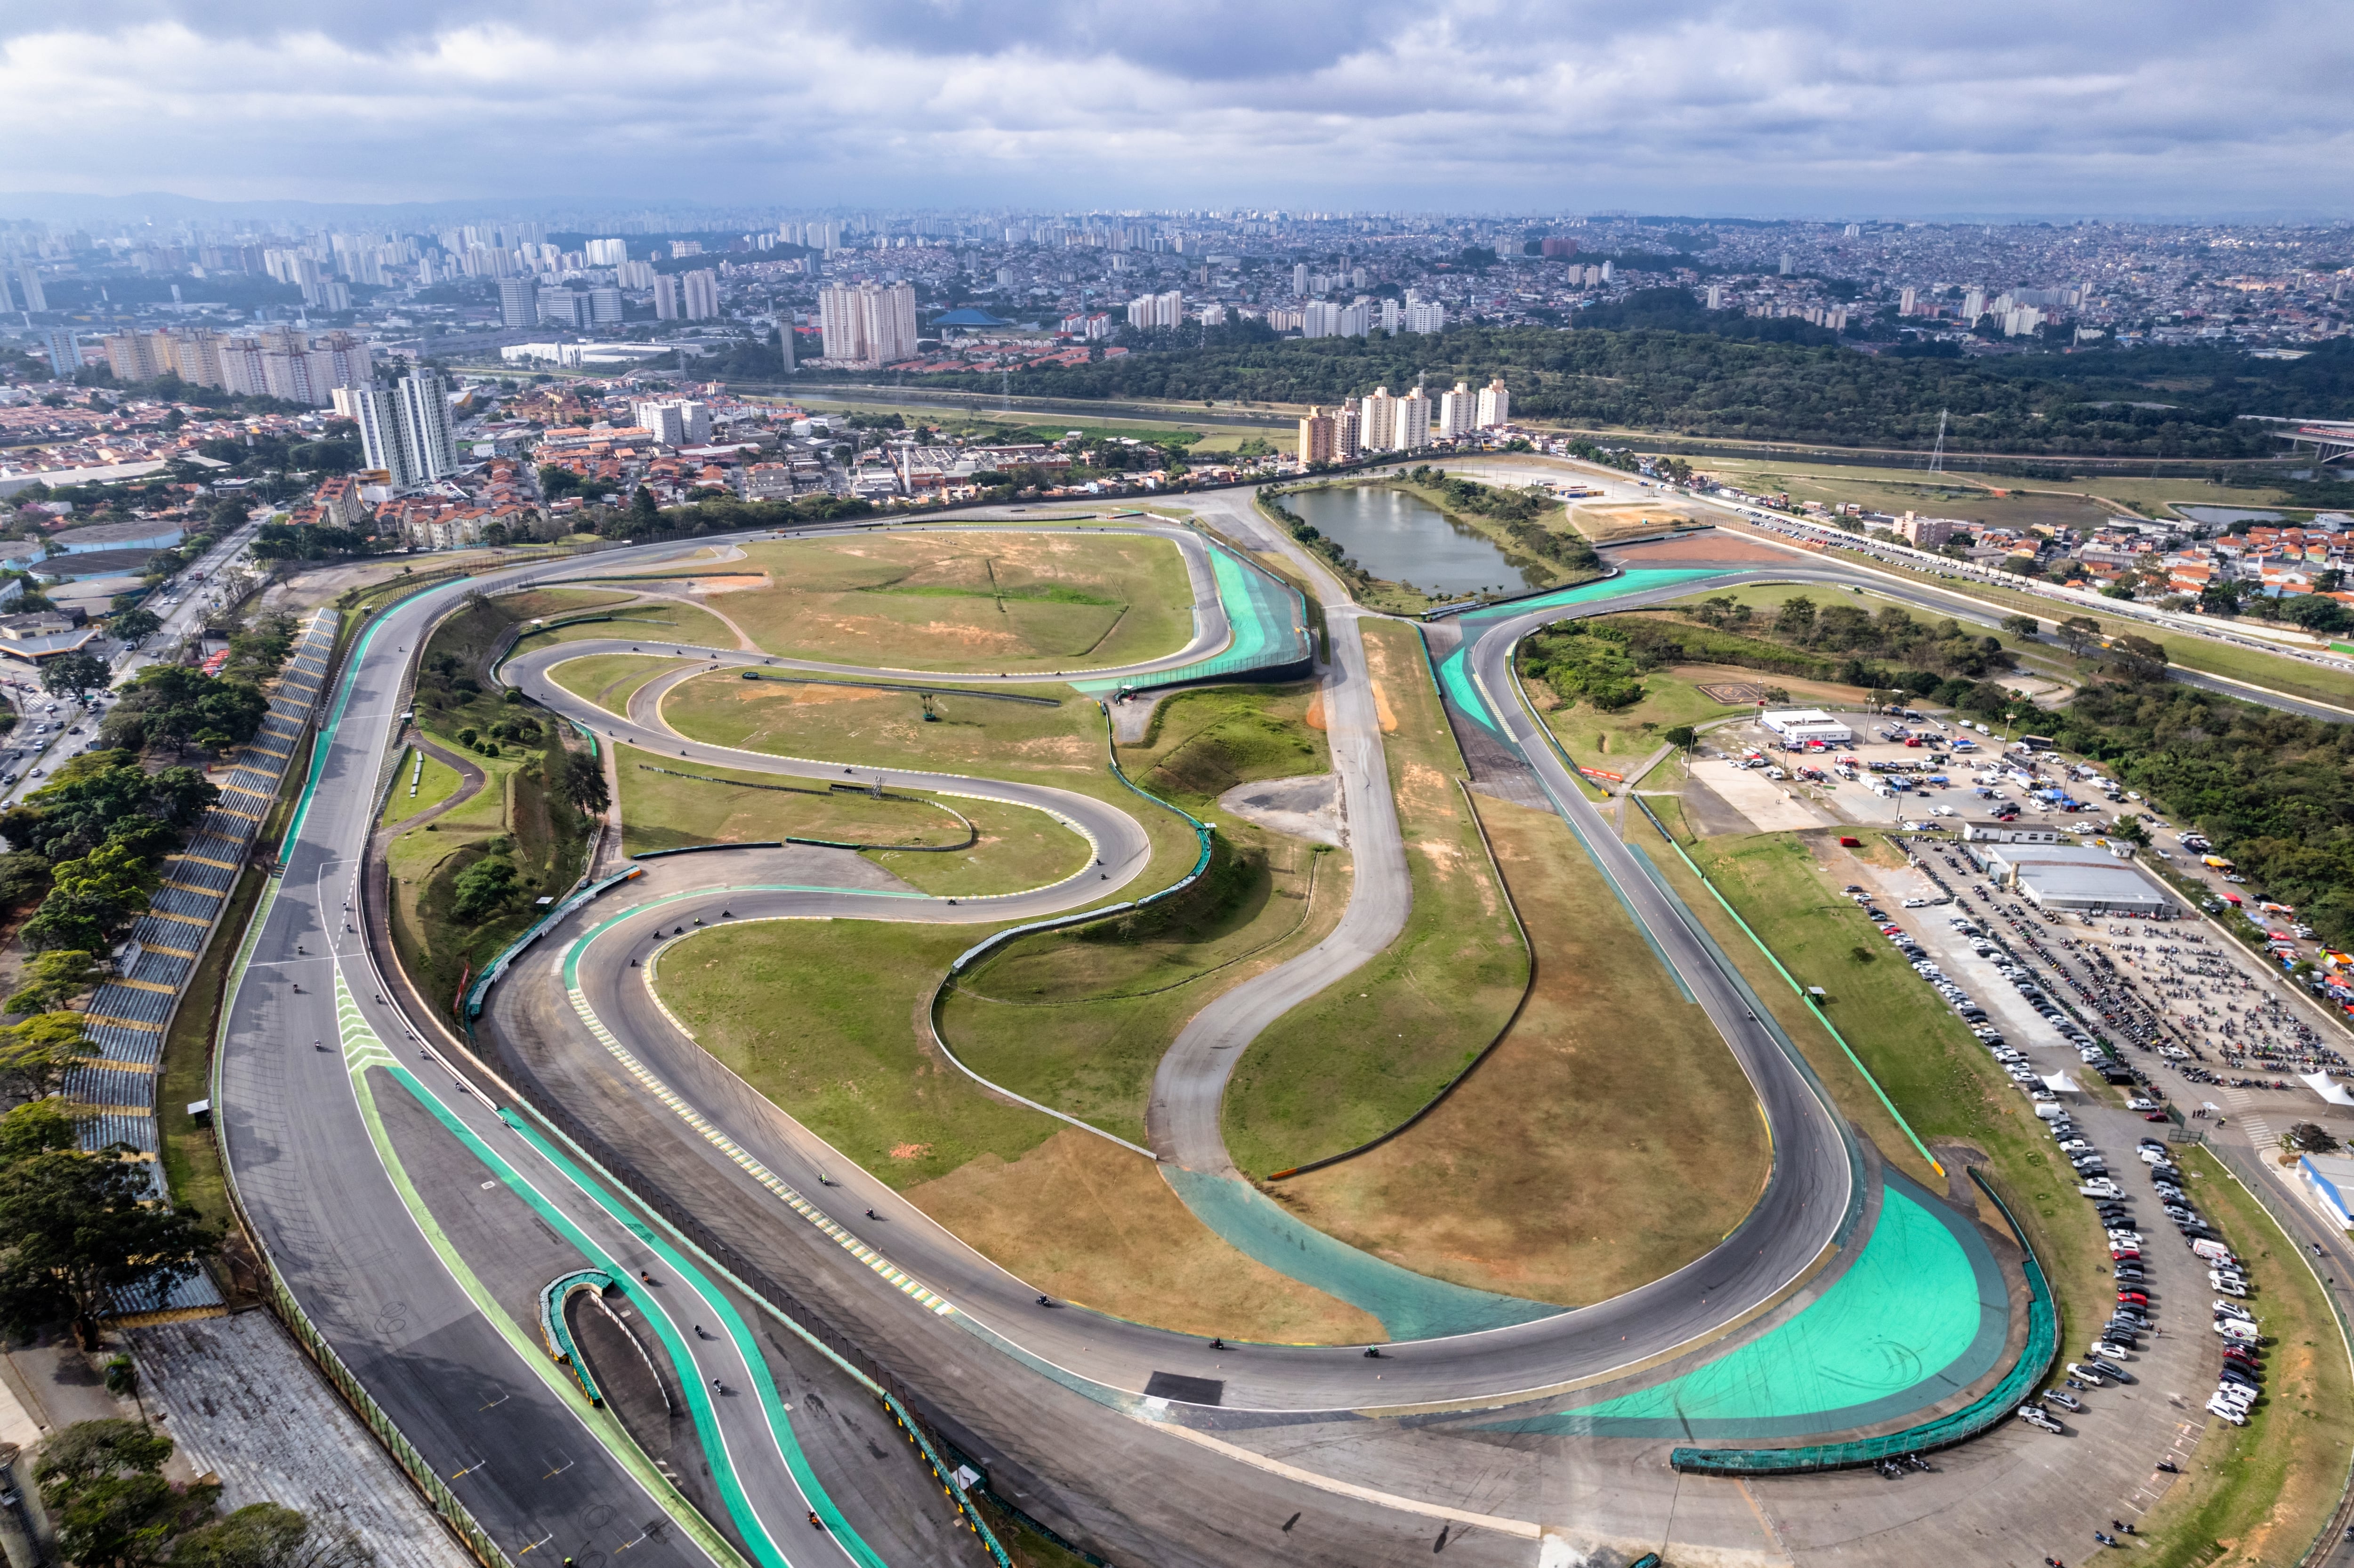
[[116, 1085]]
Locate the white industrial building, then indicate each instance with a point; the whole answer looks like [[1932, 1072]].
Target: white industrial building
[[2079, 879], [1799, 726]]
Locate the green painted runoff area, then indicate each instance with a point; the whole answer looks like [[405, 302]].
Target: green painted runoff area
[[1920, 1316], [1268, 620], [1455, 670], [1410, 1306]]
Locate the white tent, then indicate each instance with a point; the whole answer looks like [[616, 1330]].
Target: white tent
[[2060, 1084], [2328, 1088]]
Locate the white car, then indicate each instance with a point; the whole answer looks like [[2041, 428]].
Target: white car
[[2232, 1329], [2222, 1412], [2109, 1353], [2234, 1310], [2089, 1379]]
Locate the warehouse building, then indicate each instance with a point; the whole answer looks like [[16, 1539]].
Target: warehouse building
[[1798, 725], [2078, 879]]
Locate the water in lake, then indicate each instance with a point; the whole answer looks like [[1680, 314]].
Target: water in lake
[[1404, 539]]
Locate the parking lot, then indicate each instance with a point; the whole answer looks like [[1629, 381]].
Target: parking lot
[[2044, 1001]]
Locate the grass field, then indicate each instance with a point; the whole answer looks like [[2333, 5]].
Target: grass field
[[1619, 742], [1067, 1211], [1062, 746], [1364, 1055], [1080, 1020], [608, 680], [664, 811], [2264, 1491], [1988, 498], [969, 599], [1568, 1119], [1939, 1076], [1202, 744], [661, 622], [436, 783]]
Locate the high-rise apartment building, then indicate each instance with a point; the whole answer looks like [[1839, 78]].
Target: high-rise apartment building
[[868, 325], [1348, 432], [634, 275], [1392, 316], [1458, 411], [405, 427], [1973, 305], [675, 422], [663, 421], [65, 353], [1425, 315], [605, 252], [1320, 318], [131, 355], [604, 306], [1157, 310], [1495, 404], [1378, 422], [1907, 300], [699, 294], [1316, 432], [1716, 296], [665, 286], [518, 303], [1414, 413], [1299, 277], [1357, 320], [28, 286]]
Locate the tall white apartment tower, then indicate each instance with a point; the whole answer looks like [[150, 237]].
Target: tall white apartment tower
[[1495, 404], [1413, 421], [404, 429], [1458, 411], [701, 294], [870, 325], [1378, 416]]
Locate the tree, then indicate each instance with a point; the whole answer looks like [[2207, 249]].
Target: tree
[[584, 783], [2022, 625], [2079, 633], [1797, 616], [36, 1127], [34, 1055], [136, 626], [79, 1228], [2306, 1138], [267, 1536], [54, 978], [104, 1486], [76, 675], [2136, 660], [1683, 737], [482, 887]]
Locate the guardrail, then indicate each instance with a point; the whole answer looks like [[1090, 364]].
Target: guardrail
[[1990, 1409], [497, 968]]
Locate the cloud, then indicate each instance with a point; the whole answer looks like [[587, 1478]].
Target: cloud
[[1829, 108]]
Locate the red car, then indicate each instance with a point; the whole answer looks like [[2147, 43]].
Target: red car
[[2133, 1297], [2153, 1116]]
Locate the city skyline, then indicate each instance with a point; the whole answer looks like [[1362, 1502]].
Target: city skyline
[[1798, 111]]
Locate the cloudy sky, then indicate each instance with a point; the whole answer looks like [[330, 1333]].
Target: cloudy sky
[[1819, 108]]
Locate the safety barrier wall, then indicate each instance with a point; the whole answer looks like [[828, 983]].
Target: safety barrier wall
[[1990, 1409], [552, 1298], [497, 968]]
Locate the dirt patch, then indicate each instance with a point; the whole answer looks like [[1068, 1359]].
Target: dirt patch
[[1305, 808], [1713, 546], [1095, 1225], [1608, 1140], [1382, 707], [1315, 719]]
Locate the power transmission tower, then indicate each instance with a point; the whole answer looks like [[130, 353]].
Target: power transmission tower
[[1938, 457]]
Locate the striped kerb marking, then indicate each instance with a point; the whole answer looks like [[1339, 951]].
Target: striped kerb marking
[[907, 1284]]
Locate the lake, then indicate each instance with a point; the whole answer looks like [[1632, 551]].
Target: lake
[[1404, 539]]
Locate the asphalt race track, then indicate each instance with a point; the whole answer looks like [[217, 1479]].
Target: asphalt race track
[[355, 1124]]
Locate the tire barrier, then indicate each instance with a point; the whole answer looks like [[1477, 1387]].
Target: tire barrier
[[551, 1298]]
